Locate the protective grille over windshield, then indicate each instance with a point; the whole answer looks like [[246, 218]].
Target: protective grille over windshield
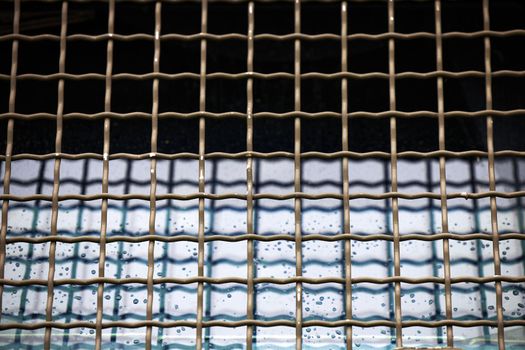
[[262, 174]]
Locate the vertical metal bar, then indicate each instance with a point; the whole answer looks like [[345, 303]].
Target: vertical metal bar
[[249, 178], [346, 185], [393, 170], [9, 144], [105, 176], [492, 176], [153, 174], [56, 177], [297, 180], [202, 188], [442, 173]]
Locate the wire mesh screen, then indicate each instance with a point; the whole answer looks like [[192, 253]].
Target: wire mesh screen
[[262, 174]]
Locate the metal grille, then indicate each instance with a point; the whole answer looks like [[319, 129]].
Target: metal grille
[[390, 195]]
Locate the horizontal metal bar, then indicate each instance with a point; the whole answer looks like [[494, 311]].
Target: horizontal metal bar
[[260, 280], [266, 36], [266, 238], [293, 114], [291, 195], [270, 155], [266, 76], [257, 323]]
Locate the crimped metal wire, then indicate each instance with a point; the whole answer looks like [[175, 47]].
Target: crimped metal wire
[[294, 114], [9, 144], [492, 178], [297, 181], [393, 174], [442, 172], [345, 174], [105, 176], [250, 246], [202, 185], [258, 323], [56, 179], [278, 75]]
